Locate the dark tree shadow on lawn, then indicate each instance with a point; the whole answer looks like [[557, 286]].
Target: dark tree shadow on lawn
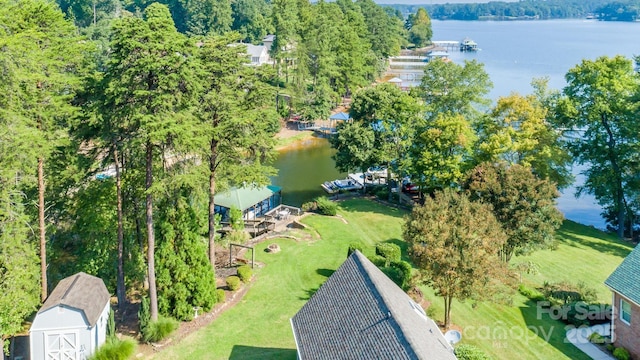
[[610, 247], [244, 352], [325, 272], [540, 324], [309, 293]]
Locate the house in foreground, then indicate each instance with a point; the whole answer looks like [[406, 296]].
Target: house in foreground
[[253, 201], [72, 322], [624, 282], [359, 313]]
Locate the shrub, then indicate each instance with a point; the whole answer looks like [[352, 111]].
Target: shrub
[[532, 294], [382, 194], [244, 273], [404, 270], [233, 283], [470, 352], [378, 260], [160, 329], [353, 247], [144, 316], [610, 347], [563, 293], [309, 206], [596, 338], [111, 325], [621, 354], [237, 237], [115, 349], [391, 252], [326, 206], [220, 296]]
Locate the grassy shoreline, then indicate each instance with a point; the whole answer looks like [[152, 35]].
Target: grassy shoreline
[[258, 326]]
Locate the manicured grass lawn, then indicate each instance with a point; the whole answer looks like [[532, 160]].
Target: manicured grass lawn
[[258, 327]]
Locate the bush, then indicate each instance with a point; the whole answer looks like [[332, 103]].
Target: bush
[[621, 354], [233, 283], [144, 316], [404, 270], [391, 252], [596, 338], [532, 294], [221, 296], [237, 237], [309, 206], [115, 349], [244, 273], [326, 206], [470, 352], [382, 194], [160, 329], [378, 260], [564, 293], [353, 247]]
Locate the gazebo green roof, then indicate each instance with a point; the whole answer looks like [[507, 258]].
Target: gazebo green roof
[[245, 197], [625, 279]]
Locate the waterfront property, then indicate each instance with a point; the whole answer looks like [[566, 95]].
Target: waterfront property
[[624, 282], [468, 45], [72, 322], [359, 311], [252, 201]]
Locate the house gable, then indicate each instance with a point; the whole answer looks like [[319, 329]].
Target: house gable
[[625, 279], [359, 313]]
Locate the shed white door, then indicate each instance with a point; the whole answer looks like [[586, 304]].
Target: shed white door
[[62, 346]]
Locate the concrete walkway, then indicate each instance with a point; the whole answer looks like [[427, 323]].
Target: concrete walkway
[[580, 338]]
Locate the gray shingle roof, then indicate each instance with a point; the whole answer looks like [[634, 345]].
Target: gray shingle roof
[[81, 291], [359, 313], [625, 279]]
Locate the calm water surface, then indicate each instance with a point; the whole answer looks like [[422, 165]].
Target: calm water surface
[[513, 53]]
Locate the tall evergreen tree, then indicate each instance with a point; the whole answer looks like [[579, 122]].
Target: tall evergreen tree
[[150, 83], [238, 119]]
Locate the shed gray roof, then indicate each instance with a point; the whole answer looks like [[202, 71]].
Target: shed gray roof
[[625, 279], [359, 313], [81, 291]]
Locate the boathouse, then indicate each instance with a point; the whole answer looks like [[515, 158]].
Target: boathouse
[[253, 201]]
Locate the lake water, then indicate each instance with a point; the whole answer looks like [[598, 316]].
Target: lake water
[[513, 53]]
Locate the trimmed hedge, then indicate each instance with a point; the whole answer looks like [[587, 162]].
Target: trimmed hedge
[[470, 352], [221, 296], [391, 252], [353, 247], [244, 273], [233, 282], [532, 294]]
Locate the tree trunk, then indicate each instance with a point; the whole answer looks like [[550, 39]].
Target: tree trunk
[[212, 207], [43, 235], [153, 295], [611, 150], [447, 311], [120, 287]]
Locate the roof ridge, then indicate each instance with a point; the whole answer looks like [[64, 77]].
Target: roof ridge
[[75, 280]]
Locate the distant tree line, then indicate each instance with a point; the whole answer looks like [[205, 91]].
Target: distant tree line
[[530, 9]]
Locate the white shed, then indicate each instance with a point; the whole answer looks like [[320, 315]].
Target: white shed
[[72, 322]]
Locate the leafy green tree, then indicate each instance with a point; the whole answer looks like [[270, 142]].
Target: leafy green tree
[[394, 117], [454, 243], [517, 131], [442, 151], [238, 120], [252, 19], [600, 108], [419, 25], [456, 89], [354, 144], [185, 277], [385, 30], [523, 204], [151, 81]]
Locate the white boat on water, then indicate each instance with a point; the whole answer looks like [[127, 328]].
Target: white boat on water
[[352, 182]]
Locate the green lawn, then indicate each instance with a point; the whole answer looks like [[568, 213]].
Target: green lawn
[[258, 327]]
